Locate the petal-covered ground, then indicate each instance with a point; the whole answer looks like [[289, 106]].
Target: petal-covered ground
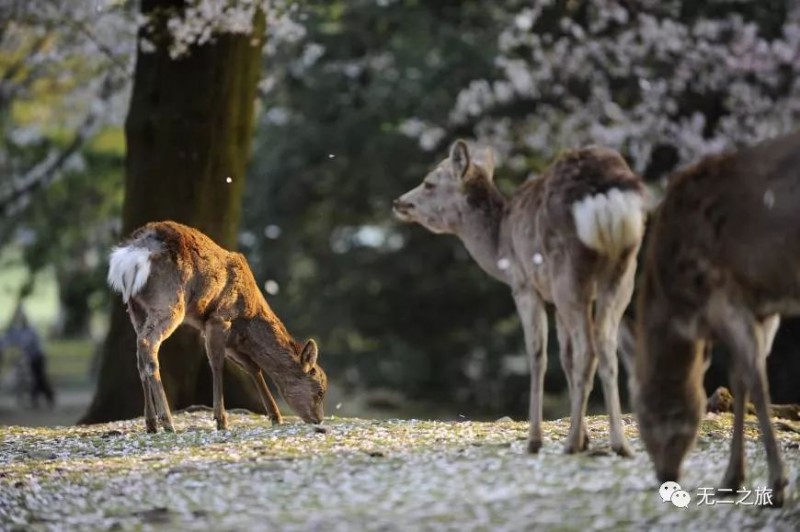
[[365, 475]]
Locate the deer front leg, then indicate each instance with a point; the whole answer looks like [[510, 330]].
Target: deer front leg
[[216, 333], [735, 473], [749, 342], [267, 399], [759, 389], [257, 375], [533, 317]]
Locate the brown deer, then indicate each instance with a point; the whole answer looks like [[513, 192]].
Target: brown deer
[[569, 237], [169, 274], [722, 264]]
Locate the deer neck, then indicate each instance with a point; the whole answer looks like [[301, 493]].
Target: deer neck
[[270, 345], [484, 232]]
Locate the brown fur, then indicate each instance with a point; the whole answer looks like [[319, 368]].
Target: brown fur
[[723, 263], [530, 242], [193, 280]]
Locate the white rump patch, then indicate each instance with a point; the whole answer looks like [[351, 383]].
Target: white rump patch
[[611, 222], [128, 270]]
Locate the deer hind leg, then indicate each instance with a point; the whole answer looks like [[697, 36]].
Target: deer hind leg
[[156, 329], [216, 334], [256, 374], [533, 316], [749, 341], [565, 355], [138, 318], [610, 307], [575, 312], [735, 473]]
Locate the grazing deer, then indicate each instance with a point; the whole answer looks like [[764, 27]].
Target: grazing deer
[[170, 274], [723, 264], [569, 237]]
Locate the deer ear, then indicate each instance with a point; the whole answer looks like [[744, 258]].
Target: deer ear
[[309, 355], [459, 158], [485, 160]]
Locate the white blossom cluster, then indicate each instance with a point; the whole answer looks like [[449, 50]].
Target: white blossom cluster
[[67, 46], [202, 20], [631, 80], [67, 66], [64, 66]]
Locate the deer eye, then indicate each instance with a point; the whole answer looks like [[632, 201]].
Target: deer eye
[[428, 185]]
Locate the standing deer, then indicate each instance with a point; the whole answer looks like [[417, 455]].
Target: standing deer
[[722, 264], [569, 237], [170, 274]]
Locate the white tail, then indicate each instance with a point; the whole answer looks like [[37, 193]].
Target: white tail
[[170, 274], [611, 222], [129, 268]]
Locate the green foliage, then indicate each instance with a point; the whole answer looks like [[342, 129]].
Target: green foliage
[[61, 146], [71, 226], [392, 305]]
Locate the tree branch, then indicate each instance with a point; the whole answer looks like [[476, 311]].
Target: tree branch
[[45, 172]]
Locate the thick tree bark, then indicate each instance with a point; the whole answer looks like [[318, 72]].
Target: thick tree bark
[[188, 134], [74, 289]]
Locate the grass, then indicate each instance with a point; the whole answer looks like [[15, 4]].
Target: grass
[[41, 305], [68, 361], [362, 474]]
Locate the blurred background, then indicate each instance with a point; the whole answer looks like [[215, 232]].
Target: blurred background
[[285, 129]]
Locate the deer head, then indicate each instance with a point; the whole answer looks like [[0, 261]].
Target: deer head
[[450, 191], [669, 397], [304, 389]]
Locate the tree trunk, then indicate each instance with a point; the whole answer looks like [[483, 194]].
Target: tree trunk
[[188, 134], [74, 289]]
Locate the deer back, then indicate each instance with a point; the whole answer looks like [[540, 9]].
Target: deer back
[[732, 222]]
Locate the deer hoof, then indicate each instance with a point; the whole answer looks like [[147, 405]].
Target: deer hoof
[[733, 481], [276, 420], [534, 446], [777, 492], [623, 450], [777, 498], [166, 422], [572, 447], [222, 423], [151, 426]]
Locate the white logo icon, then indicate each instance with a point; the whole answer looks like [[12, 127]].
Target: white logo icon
[[672, 492], [681, 499], [667, 489]]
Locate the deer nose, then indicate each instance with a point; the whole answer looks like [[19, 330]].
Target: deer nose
[[400, 205]]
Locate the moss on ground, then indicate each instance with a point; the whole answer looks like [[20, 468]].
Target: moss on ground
[[373, 475]]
